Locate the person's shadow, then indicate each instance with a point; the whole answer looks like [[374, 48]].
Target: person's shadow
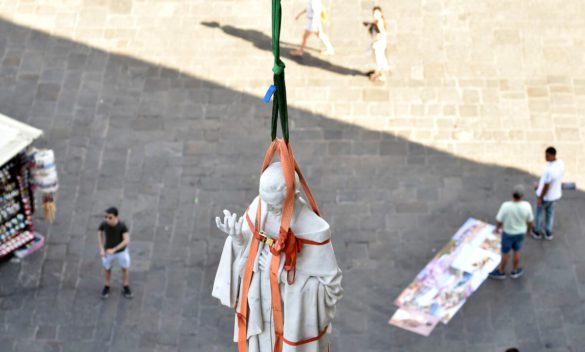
[[264, 42]]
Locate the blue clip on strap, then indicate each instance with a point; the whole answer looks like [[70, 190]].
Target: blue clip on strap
[[269, 93]]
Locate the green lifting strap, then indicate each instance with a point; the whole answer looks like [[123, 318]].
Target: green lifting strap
[[279, 101]]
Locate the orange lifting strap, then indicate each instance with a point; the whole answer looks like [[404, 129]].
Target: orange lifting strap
[[286, 243]]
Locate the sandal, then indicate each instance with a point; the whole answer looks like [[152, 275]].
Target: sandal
[[296, 53]]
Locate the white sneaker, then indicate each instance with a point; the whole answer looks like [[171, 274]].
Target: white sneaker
[[329, 52]]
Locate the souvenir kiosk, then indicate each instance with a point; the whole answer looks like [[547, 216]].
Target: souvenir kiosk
[[17, 203]]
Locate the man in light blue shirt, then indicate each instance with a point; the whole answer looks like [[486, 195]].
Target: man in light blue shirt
[[515, 219]]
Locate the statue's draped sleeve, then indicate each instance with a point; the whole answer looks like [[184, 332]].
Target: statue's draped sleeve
[[231, 268]]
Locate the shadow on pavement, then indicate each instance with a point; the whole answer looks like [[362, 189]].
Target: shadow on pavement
[[264, 42], [172, 151]]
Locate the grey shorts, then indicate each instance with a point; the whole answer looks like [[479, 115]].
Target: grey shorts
[[123, 259]]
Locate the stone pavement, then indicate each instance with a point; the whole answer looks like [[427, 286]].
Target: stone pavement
[[154, 106], [476, 79]]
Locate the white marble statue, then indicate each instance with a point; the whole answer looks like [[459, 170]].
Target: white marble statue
[[309, 302]]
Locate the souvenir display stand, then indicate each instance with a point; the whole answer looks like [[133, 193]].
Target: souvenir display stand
[[17, 188]]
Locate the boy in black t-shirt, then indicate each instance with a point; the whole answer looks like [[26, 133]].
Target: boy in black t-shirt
[[113, 239]]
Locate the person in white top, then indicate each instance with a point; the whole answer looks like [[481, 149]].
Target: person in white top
[[377, 29], [315, 13], [548, 192]]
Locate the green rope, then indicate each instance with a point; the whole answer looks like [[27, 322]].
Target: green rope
[[279, 105]]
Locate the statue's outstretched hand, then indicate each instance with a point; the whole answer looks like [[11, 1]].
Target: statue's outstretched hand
[[231, 227]]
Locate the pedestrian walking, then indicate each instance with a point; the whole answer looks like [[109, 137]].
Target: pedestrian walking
[[515, 219], [315, 14], [113, 239], [548, 193], [378, 31]]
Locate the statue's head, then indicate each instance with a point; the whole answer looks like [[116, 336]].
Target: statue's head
[[273, 187]]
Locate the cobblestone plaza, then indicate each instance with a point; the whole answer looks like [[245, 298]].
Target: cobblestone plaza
[[155, 106]]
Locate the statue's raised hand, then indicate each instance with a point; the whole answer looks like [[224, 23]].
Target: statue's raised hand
[[231, 226]]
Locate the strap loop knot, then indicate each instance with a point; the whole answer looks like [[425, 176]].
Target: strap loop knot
[[278, 67], [291, 246]]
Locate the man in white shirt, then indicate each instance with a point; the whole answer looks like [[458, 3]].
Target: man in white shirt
[[548, 193]]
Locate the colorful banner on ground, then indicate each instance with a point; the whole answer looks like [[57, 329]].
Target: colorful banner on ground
[[443, 286]]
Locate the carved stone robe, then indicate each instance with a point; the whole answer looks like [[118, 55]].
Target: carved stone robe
[[308, 304]]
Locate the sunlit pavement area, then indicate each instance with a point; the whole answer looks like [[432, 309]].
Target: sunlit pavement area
[[155, 106]]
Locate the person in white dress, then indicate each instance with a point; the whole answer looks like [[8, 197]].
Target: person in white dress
[[377, 29]]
